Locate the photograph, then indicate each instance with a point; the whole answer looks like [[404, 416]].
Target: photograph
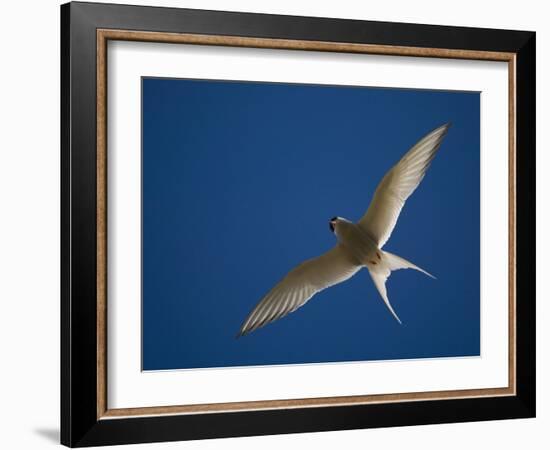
[[276, 223], [276, 219]]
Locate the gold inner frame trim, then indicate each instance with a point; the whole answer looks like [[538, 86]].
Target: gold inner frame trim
[[103, 36]]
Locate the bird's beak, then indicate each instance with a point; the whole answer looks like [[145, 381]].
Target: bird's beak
[[331, 225]]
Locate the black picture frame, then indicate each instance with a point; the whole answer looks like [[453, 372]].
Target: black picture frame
[[80, 425]]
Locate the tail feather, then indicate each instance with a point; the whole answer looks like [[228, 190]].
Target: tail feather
[[380, 273], [379, 280], [395, 262]]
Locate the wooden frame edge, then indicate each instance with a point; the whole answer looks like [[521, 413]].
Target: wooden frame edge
[[282, 44], [512, 199], [101, 223], [211, 408], [103, 35]]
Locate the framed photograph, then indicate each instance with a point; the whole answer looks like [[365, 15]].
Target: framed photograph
[[241, 194]]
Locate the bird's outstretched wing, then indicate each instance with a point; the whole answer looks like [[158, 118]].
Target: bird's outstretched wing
[[299, 285], [398, 184]]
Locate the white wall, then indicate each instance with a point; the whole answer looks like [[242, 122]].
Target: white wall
[[29, 226]]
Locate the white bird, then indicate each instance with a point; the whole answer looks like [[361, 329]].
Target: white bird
[[359, 244]]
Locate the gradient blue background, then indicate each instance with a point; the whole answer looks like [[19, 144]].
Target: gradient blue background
[[240, 180]]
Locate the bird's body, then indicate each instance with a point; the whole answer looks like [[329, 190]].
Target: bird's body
[[359, 244]]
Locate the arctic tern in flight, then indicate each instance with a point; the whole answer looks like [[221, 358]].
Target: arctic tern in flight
[[359, 244]]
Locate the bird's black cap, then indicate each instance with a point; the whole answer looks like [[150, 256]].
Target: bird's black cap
[[331, 226]]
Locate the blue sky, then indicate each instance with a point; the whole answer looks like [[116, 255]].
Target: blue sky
[[239, 182]]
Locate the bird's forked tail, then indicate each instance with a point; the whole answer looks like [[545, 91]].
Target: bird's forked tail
[[381, 272]]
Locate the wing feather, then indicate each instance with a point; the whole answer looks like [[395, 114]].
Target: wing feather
[[398, 184], [299, 285]]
